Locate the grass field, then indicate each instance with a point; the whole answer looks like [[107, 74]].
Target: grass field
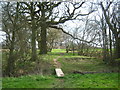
[[69, 81], [69, 63], [84, 64]]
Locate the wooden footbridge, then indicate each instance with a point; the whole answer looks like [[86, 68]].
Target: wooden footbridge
[[58, 69]]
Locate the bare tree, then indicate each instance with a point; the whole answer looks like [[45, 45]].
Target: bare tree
[[48, 17], [11, 26], [113, 23], [30, 10]]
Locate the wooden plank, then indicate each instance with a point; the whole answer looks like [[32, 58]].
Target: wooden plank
[[59, 72]]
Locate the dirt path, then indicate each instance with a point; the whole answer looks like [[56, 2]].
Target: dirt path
[[57, 64]]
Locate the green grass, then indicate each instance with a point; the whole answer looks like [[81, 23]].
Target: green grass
[[0, 83], [31, 81], [90, 81], [69, 81], [58, 50], [69, 63]]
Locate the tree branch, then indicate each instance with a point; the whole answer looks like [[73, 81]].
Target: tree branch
[[59, 28]]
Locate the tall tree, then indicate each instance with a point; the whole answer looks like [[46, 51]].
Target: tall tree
[[113, 21], [10, 24], [30, 10], [53, 36], [17, 35], [48, 14], [105, 40]]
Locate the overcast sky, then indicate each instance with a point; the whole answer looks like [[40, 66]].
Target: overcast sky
[[69, 25], [1, 33]]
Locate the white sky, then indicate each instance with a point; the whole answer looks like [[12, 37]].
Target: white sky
[[70, 25], [1, 33]]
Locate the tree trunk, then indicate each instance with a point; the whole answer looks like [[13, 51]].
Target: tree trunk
[[33, 42], [67, 48], [43, 45], [111, 55], [82, 49], [105, 44], [11, 60], [73, 48], [78, 48], [117, 47]]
